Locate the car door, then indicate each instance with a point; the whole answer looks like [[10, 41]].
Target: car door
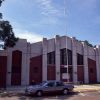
[[49, 87], [59, 86]]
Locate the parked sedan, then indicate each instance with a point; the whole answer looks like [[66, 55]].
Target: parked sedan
[[49, 87]]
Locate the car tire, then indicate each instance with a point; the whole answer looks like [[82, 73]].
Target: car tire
[[39, 93], [65, 91]]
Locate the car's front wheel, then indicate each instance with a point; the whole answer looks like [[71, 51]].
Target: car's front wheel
[[65, 91], [39, 93]]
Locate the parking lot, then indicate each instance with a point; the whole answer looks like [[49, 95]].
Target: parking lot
[[82, 92], [95, 95]]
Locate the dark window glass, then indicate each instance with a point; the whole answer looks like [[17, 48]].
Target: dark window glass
[[69, 57], [59, 84], [51, 58], [70, 70], [79, 59], [63, 70], [63, 57], [51, 84]]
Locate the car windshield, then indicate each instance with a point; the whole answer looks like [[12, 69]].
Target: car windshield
[[43, 83]]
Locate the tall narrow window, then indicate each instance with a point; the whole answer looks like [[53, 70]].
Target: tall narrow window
[[51, 58], [79, 59], [69, 57], [63, 56]]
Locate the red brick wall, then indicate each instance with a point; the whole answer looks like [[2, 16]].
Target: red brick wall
[[36, 69], [51, 72], [3, 71], [80, 73], [92, 71], [16, 67]]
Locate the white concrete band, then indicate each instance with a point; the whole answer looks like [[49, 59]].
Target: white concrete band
[[86, 75], [44, 60], [57, 54]]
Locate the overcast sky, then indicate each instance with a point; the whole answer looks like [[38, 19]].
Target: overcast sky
[[34, 19]]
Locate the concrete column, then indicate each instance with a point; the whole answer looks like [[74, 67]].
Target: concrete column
[[97, 50], [85, 54], [44, 60], [74, 58], [24, 69], [9, 67], [28, 63], [57, 57]]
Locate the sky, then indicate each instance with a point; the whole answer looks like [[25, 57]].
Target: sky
[[35, 19]]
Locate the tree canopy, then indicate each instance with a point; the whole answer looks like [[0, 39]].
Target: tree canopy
[[6, 32], [87, 42], [1, 2]]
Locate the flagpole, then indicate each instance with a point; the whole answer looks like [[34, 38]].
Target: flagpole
[[65, 14]]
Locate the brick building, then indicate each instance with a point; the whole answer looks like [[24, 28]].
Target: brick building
[[48, 60]]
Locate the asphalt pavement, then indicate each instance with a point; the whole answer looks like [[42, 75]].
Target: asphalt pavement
[[72, 96], [79, 90]]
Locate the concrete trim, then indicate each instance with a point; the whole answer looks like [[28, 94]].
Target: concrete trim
[[86, 74], [57, 54], [44, 60], [74, 57]]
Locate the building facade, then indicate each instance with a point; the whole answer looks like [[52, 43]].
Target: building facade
[[60, 58]]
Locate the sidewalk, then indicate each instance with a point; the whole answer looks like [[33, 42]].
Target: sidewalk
[[84, 88], [13, 91]]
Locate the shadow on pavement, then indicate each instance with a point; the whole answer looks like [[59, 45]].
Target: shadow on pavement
[[49, 96]]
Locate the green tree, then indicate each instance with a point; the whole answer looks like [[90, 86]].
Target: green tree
[[0, 5], [1, 2], [87, 42], [6, 32]]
